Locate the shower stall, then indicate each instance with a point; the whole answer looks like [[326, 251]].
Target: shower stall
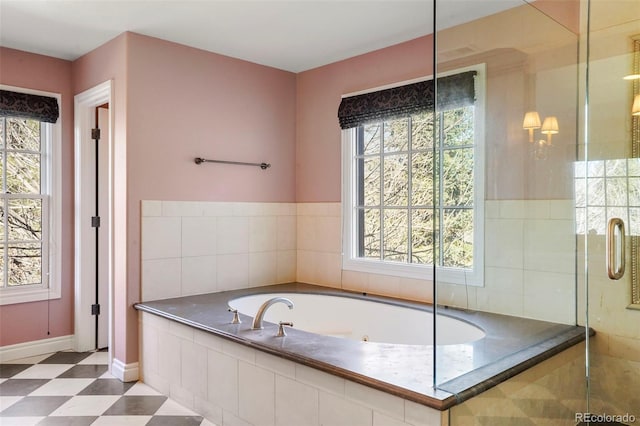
[[551, 227]]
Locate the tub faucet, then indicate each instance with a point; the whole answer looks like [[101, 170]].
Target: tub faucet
[[257, 321]]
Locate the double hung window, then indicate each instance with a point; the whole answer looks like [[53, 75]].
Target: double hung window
[[27, 182], [412, 179]]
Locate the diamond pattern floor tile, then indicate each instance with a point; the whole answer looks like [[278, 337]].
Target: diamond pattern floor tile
[[62, 387], [175, 420], [68, 421], [106, 387], [20, 387], [43, 371], [66, 358], [76, 389], [34, 406], [10, 370], [84, 372], [139, 405]]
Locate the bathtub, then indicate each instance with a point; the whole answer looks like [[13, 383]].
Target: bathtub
[[379, 342], [363, 320]]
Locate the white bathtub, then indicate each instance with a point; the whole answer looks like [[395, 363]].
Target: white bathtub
[[360, 319]]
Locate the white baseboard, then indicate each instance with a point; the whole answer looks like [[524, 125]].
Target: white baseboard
[[125, 372], [35, 348]]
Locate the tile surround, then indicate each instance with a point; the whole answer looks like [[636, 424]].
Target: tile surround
[[254, 244], [249, 387], [528, 243], [201, 247], [387, 375]]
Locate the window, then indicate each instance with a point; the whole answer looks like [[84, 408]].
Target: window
[[413, 193], [28, 184]]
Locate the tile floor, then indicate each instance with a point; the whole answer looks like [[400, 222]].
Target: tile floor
[[75, 389]]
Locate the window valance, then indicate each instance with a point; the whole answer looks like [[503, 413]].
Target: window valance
[[454, 91], [24, 105]]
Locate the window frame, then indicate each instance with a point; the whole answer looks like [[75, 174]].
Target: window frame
[[350, 261], [51, 192]]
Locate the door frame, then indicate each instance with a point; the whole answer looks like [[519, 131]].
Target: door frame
[[84, 176]]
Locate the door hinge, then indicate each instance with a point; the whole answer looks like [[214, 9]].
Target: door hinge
[[95, 134], [95, 222], [95, 309]]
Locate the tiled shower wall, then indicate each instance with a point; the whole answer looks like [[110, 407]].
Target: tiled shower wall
[[530, 252], [199, 247], [202, 247]]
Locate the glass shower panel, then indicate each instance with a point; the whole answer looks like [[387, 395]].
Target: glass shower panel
[[506, 240], [607, 191]]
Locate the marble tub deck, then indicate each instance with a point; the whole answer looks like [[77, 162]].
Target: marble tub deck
[[510, 346]]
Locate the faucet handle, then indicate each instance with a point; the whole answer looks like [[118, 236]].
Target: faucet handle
[[236, 317], [281, 332]]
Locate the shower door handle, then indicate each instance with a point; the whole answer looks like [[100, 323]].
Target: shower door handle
[[615, 248]]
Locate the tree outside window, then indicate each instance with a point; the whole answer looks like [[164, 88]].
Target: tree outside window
[[23, 210], [415, 200]]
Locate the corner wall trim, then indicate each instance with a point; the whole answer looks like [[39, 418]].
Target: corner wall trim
[[36, 347], [125, 372]]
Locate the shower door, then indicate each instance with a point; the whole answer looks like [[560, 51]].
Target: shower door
[[506, 250], [608, 207]]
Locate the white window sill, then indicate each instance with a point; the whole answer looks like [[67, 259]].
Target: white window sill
[[11, 296], [420, 272]]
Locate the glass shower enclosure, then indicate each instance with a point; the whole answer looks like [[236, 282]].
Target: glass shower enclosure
[[521, 239], [552, 230], [608, 207]]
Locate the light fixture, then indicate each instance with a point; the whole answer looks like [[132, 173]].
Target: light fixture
[[631, 77], [635, 109], [530, 123], [550, 127]]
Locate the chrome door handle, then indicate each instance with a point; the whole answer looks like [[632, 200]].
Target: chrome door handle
[[615, 248]]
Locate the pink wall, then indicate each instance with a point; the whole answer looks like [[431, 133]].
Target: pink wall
[[185, 103], [319, 93], [174, 103], [28, 321], [108, 62]]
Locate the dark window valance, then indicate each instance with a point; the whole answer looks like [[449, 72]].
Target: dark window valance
[[24, 105], [454, 91]]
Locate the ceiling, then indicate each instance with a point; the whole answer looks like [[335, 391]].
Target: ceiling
[[294, 35]]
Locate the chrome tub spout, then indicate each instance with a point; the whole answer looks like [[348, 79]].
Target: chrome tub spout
[[257, 321]]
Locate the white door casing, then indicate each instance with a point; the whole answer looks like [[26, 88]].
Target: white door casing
[[85, 192]]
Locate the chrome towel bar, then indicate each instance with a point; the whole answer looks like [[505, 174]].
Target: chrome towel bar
[[263, 166]]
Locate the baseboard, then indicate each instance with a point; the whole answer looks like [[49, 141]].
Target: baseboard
[[125, 372], [36, 347]]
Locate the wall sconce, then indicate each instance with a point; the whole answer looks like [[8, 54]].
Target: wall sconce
[[550, 127], [635, 108], [530, 123]]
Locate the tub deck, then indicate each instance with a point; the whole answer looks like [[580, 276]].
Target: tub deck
[[511, 345]]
